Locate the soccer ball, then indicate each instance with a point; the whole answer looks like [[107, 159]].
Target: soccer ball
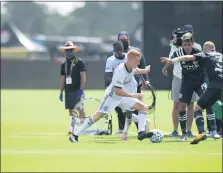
[[157, 136]]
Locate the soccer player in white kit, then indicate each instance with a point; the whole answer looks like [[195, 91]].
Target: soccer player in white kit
[[116, 95], [112, 63]]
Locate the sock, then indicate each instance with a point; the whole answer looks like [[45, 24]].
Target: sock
[[71, 128], [87, 123], [141, 123], [128, 122], [208, 124], [183, 122], [199, 121], [135, 118], [121, 118], [211, 119]]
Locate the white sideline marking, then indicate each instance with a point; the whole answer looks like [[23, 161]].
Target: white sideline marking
[[111, 152]]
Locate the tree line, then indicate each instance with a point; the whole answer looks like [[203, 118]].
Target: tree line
[[94, 19]]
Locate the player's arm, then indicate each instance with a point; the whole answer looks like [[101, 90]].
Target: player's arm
[[108, 72], [178, 59], [82, 75], [172, 54], [120, 92], [118, 84], [62, 78], [142, 71]]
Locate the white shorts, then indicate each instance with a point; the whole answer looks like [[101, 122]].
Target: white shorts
[[109, 103]]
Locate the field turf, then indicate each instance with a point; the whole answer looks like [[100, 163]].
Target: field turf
[[34, 139]]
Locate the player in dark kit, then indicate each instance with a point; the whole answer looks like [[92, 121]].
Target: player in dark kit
[[193, 80], [213, 63]]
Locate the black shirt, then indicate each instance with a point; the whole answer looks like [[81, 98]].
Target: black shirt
[[212, 62], [75, 75], [192, 71]]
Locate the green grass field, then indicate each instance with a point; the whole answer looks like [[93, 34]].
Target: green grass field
[[34, 138]]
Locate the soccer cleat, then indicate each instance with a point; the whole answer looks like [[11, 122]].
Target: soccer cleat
[[73, 138], [189, 134], [174, 134], [183, 137], [215, 135], [124, 136], [142, 135], [119, 131], [198, 138]]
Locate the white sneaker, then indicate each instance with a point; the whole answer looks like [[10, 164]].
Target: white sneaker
[[215, 135], [119, 131], [183, 138]]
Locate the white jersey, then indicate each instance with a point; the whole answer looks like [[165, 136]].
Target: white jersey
[[122, 79], [113, 62], [177, 69]]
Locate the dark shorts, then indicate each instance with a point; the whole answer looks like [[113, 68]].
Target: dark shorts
[[209, 97], [71, 99], [187, 90]]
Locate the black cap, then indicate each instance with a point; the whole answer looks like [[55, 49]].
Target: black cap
[[188, 28]]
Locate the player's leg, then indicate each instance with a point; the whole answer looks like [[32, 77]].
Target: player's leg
[[175, 119], [132, 103], [128, 122], [185, 96], [130, 116], [70, 102], [139, 89], [190, 117], [107, 106], [209, 111], [190, 114], [143, 109], [207, 99], [175, 90], [135, 119], [121, 120]]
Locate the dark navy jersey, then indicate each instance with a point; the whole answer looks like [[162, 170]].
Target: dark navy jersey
[[75, 74], [192, 71], [212, 62]]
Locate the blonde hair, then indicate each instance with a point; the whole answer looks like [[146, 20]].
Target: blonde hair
[[188, 36], [134, 52], [209, 45]]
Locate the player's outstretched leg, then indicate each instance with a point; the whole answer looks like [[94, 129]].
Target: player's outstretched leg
[[183, 121], [212, 122], [128, 122], [142, 108], [200, 126], [87, 123]]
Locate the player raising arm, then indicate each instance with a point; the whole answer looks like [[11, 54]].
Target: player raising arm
[[116, 95], [212, 62]]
